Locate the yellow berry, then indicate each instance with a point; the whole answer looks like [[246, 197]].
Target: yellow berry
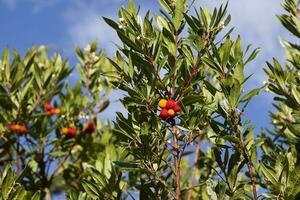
[[171, 112], [162, 103], [65, 130]]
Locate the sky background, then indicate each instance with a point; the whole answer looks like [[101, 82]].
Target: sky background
[[63, 24]]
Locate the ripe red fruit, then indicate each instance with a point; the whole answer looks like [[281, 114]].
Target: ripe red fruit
[[164, 114], [47, 106], [90, 127], [170, 104], [2, 162], [177, 108], [72, 132]]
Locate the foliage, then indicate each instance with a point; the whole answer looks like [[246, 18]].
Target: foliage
[[53, 159], [280, 163], [11, 187], [52, 135]]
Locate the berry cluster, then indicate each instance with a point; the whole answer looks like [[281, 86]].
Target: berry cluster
[[71, 131], [169, 108], [20, 128], [50, 109]]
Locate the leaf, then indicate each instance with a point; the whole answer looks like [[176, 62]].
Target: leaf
[[131, 7], [250, 95], [126, 164], [269, 174], [165, 6], [36, 196], [252, 55], [57, 154], [178, 16], [91, 189], [7, 183], [112, 23], [288, 24]]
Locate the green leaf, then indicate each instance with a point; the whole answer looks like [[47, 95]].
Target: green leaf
[[8, 183], [91, 189], [126, 164], [250, 95], [36, 196], [179, 10], [112, 23], [269, 174], [131, 7], [252, 55], [165, 6]]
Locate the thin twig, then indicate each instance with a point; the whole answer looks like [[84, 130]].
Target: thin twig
[[197, 155]]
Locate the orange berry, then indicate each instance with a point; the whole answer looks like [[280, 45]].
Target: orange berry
[[170, 104], [12, 127], [17, 127], [162, 103], [163, 114], [171, 113], [65, 130], [23, 129], [56, 111]]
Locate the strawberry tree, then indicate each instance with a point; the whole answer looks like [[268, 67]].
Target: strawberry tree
[[183, 77], [50, 125], [280, 163]]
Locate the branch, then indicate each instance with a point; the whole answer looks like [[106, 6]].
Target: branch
[[189, 195], [176, 162]]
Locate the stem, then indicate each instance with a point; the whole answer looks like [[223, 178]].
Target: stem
[[176, 155], [43, 176], [47, 194], [189, 195], [250, 168], [18, 156], [246, 156], [61, 163]]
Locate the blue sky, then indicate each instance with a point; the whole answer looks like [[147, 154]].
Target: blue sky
[[63, 24]]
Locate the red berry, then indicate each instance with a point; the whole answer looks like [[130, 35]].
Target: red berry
[[47, 106], [177, 108], [164, 114], [170, 104], [72, 132], [90, 127]]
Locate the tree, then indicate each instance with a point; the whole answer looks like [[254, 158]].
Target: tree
[[183, 135], [48, 127], [280, 162], [177, 58]]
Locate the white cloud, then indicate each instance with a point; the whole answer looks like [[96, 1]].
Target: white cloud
[[11, 4], [257, 24], [91, 27], [38, 5]]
